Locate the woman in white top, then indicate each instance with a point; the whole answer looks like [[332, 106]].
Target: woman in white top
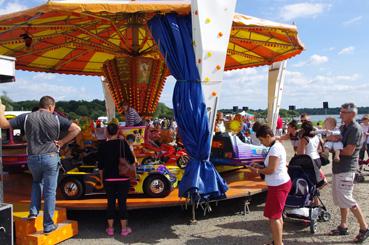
[[309, 144], [277, 179]]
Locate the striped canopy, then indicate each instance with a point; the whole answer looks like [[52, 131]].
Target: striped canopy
[[75, 37]]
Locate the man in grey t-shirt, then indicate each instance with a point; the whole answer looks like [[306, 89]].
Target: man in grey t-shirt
[[344, 173], [42, 130]]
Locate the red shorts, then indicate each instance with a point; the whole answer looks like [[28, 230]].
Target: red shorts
[[276, 199]]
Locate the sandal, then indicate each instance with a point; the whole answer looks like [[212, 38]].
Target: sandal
[[339, 231], [362, 236]]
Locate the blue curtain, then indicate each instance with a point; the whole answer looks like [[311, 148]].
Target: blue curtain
[[173, 34]]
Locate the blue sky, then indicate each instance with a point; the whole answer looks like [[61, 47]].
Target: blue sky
[[333, 67]]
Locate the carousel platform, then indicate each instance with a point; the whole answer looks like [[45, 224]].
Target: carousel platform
[[17, 189], [242, 183]]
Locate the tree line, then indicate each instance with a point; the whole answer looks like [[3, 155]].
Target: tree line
[[96, 108], [75, 109]]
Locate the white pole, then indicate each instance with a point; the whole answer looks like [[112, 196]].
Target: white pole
[[211, 28], [109, 102], [276, 77]]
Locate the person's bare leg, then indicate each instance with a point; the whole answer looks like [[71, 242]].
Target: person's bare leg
[[123, 223], [336, 156], [360, 217], [326, 150], [277, 228], [110, 223], [344, 214]]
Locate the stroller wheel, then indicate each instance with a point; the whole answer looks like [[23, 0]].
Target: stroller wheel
[[325, 216], [313, 226], [359, 178]]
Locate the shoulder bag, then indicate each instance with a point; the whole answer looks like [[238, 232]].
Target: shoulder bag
[[125, 168]]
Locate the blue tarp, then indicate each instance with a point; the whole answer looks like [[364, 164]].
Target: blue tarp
[[173, 34]]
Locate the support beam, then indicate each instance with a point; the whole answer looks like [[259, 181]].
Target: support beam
[[276, 77], [211, 28], [109, 101]]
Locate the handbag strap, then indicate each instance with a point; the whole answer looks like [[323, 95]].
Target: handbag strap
[[122, 149]]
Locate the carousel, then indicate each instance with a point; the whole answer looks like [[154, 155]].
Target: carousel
[[133, 47]]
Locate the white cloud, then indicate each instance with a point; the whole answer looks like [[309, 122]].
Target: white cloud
[[245, 87], [313, 60], [45, 76], [302, 10], [248, 87], [309, 91], [11, 7], [348, 50], [352, 21], [318, 59], [27, 89]]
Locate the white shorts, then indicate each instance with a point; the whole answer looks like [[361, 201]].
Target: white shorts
[[342, 189], [333, 146]]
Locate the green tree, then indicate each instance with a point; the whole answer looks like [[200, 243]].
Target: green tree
[[82, 110], [7, 102]]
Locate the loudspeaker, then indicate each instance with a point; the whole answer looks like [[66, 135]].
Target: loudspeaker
[[235, 108], [325, 105], [6, 224], [291, 107], [245, 108]]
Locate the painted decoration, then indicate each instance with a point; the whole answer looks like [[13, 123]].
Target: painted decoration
[[211, 28], [137, 80]]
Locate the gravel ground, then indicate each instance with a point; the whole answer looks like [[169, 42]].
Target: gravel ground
[[224, 225]]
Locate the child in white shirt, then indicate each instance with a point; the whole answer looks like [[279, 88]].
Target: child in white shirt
[[330, 128]]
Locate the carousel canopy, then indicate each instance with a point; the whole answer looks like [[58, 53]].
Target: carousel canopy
[[77, 38]]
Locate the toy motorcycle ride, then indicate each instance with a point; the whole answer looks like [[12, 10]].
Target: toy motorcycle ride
[[167, 154]]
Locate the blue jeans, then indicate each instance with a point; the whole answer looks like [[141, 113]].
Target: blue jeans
[[45, 171]]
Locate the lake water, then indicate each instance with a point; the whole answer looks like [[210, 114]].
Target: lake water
[[317, 118]]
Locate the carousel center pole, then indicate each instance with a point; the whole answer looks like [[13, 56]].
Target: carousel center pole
[[211, 29]]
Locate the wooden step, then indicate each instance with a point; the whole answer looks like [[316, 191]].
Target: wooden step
[[24, 226], [65, 230]]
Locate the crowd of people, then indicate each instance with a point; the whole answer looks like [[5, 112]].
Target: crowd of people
[[46, 132], [346, 143]]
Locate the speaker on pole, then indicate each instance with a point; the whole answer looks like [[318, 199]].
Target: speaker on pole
[[325, 105], [235, 108], [292, 107]]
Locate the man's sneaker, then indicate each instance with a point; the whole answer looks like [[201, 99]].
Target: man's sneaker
[[32, 216], [51, 230]]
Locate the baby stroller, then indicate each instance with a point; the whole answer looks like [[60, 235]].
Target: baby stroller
[[300, 200], [363, 167]]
